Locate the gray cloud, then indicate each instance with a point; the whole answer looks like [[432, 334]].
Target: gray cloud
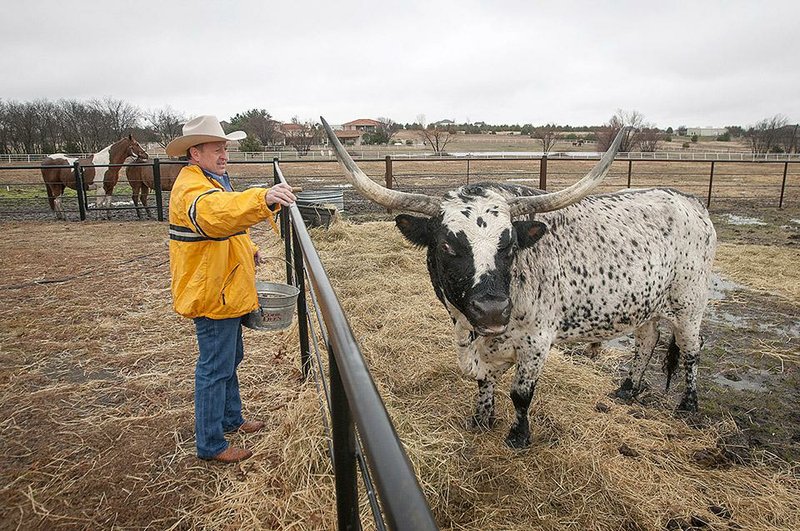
[[682, 63]]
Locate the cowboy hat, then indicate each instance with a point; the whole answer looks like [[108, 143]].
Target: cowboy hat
[[198, 131]]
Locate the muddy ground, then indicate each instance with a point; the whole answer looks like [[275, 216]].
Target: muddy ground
[[750, 365], [88, 401]]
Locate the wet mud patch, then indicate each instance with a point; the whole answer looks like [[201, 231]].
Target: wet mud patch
[[749, 371]]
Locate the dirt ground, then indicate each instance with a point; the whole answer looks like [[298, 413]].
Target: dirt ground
[[96, 385]]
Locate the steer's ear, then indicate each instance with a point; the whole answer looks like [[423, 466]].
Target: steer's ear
[[529, 232], [414, 228]]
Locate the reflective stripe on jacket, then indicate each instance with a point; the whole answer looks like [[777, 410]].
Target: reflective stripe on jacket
[[210, 250]]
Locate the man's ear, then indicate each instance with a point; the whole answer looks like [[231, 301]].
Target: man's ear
[[414, 228], [529, 232]]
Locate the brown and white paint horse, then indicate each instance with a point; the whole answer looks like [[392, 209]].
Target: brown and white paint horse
[[141, 180], [56, 179]]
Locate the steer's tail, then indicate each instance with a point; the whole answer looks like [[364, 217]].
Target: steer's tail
[[671, 360]]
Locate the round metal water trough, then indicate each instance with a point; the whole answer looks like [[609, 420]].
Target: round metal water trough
[[325, 196]]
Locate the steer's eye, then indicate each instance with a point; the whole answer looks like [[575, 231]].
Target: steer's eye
[[447, 248]]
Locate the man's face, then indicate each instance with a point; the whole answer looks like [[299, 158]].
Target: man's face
[[211, 156]]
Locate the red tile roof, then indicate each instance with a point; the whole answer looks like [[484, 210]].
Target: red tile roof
[[364, 121]]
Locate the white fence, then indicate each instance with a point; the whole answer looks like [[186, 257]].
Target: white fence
[[327, 154]]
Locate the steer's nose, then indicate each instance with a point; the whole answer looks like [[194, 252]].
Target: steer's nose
[[491, 313]]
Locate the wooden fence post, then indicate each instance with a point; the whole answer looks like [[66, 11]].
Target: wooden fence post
[[543, 173], [389, 177]]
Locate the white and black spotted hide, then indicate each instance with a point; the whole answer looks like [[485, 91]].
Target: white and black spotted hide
[[607, 265]]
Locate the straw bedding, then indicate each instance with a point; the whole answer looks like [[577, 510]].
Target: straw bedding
[[96, 378]]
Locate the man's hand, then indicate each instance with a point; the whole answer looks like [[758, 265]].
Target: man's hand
[[281, 194], [257, 258]]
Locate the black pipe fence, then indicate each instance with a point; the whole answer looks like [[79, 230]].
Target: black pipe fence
[[721, 184], [358, 416]]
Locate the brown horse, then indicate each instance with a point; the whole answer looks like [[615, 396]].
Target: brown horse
[[56, 179], [141, 180]]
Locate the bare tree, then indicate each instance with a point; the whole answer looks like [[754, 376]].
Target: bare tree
[[79, 123], [649, 137], [436, 138], [304, 136], [630, 140], [387, 128], [166, 123], [547, 134], [788, 138], [24, 123], [764, 135], [119, 116]]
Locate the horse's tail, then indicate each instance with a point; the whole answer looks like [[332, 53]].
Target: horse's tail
[[671, 360]]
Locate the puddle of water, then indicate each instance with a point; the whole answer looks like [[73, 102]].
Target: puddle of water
[[719, 287], [750, 381], [620, 343], [781, 330], [733, 219]]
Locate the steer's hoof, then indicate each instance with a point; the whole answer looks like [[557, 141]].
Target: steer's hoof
[[627, 391], [518, 440], [688, 405], [475, 423]]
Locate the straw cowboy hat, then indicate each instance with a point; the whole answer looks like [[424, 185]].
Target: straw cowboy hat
[[198, 131]]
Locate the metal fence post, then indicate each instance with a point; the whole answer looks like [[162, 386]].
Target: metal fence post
[[157, 184], [81, 192], [630, 167], [783, 184], [543, 173], [467, 170], [302, 318], [710, 182], [344, 451], [286, 228]]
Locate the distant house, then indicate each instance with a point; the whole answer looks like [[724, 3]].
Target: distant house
[[706, 131], [364, 125], [444, 124], [290, 130], [349, 137], [352, 133]]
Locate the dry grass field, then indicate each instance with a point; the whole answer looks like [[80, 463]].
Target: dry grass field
[[96, 377]]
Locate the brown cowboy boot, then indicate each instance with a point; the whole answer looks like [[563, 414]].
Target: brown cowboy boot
[[232, 454], [252, 426]]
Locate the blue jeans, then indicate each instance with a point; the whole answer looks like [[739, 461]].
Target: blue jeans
[[217, 404]]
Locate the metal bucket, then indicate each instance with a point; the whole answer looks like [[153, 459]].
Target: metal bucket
[[276, 303]]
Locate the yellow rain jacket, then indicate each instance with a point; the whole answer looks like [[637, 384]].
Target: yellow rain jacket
[[210, 250]]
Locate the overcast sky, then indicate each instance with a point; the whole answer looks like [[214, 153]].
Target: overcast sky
[[693, 63]]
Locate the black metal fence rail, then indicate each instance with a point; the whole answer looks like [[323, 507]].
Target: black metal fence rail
[[358, 415], [723, 184]]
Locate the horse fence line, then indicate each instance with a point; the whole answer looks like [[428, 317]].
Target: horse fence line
[[550, 171]]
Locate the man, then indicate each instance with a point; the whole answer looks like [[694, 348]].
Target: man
[[212, 261]]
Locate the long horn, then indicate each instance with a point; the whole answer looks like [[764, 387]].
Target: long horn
[[391, 199], [553, 201]]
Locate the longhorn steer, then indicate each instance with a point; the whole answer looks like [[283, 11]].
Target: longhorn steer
[[586, 268]]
